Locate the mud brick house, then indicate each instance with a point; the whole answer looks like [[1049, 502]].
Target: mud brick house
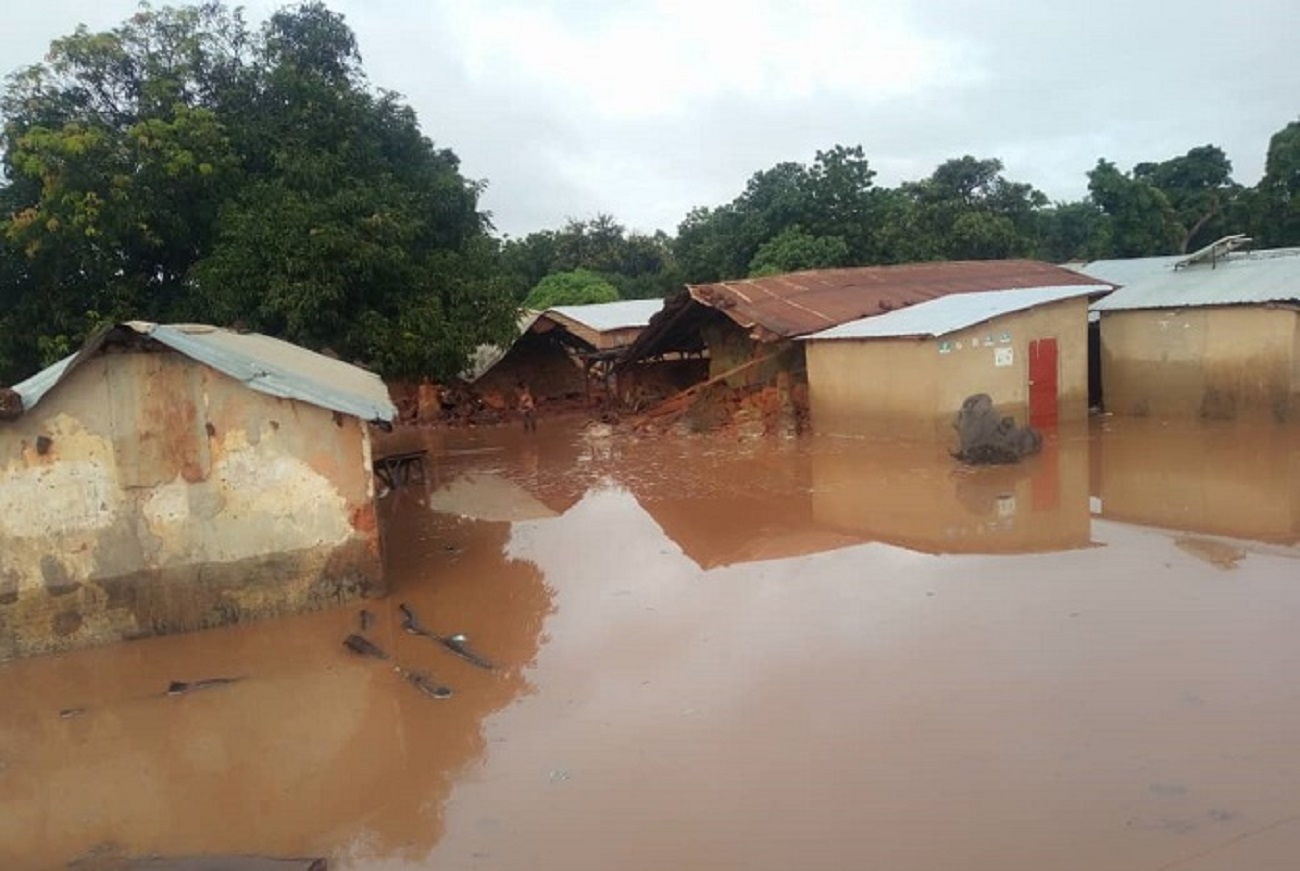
[[749, 329], [1215, 334], [171, 478], [910, 369], [559, 351]]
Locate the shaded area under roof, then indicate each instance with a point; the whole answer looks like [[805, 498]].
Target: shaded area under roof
[[259, 362], [1240, 278], [938, 317], [799, 303]]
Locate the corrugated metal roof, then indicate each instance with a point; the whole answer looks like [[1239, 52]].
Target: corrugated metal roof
[[260, 362], [1123, 272], [786, 306], [938, 317], [1240, 278], [601, 316]]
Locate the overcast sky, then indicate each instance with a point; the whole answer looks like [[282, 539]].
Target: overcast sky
[[646, 108]]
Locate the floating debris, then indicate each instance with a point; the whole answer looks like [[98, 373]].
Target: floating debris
[[72, 713], [457, 644], [366, 620], [363, 647], [427, 684], [180, 688]]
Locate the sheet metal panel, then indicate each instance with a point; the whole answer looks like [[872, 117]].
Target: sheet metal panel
[[1241, 278], [938, 317], [260, 362]]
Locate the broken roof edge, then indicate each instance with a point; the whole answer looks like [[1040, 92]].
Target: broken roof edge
[[367, 398], [623, 314], [948, 314]]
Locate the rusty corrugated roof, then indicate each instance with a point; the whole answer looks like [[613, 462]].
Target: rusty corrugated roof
[[785, 306]]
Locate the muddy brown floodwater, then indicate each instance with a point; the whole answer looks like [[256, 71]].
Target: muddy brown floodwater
[[718, 654]]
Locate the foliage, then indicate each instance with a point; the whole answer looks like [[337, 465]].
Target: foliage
[[639, 265], [1199, 188], [182, 166], [967, 210], [1140, 222], [793, 249], [579, 287], [1276, 218]]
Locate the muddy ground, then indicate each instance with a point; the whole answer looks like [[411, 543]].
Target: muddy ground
[[712, 653]]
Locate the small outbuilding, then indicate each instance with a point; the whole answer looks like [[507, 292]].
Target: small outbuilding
[[909, 370], [172, 478], [1214, 335], [560, 351]]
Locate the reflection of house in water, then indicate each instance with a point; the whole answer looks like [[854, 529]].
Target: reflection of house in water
[[746, 506], [913, 495], [169, 478], [910, 370], [1215, 478], [1215, 334], [559, 351], [314, 752]]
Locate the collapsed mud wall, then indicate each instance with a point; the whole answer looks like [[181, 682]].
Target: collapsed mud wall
[[148, 494]]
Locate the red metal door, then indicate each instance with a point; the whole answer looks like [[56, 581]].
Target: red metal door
[[1042, 383]]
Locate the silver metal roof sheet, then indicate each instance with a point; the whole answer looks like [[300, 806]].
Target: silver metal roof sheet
[[1240, 278], [261, 363], [602, 316], [1122, 272], [947, 314]]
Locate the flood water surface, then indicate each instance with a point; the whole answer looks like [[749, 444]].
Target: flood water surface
[[721, 654]]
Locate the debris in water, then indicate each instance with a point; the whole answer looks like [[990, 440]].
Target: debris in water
[[426, 684], [72, 713], [457, 644], [366, 619], [363, 647], [180, 688], [987, 438], [1216, 553]]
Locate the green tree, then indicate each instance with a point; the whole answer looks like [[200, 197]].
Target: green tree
[[968, 210], [1275, 210], [184, 167], [833, 198], [1199, 188], [579, 287], [1072, 231], [1140, 222], [793, 249]]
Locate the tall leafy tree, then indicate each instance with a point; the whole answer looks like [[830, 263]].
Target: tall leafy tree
[[579, 287], [1140, 221], [183, 166], [1276, 207], [968, 210], [1200, 190]]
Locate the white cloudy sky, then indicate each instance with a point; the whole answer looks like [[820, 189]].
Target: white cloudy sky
[[645, 108]]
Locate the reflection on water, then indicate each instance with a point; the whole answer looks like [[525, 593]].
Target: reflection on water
[[915, 496], [816, 653], [1214, 478], [312, 751]]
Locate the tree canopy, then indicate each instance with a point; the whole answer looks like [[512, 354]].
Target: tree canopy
[[579, 287], [184, 167]]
